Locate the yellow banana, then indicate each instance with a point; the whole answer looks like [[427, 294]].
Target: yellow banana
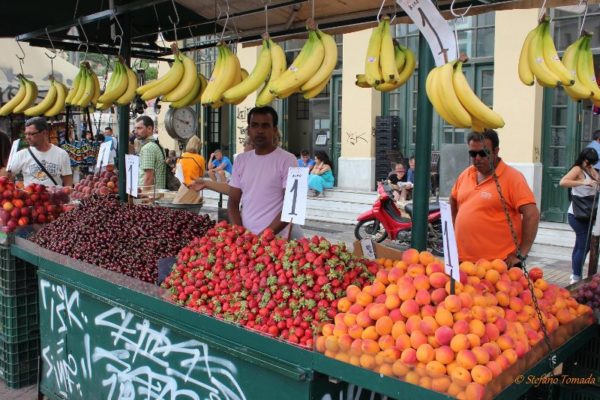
[[203, 84], [552, 60], [451, 102], [525, 73], [16, 99], [187, 83], [216, 73], [477, 126], [372, 70], [59, 104], [309, 94], [387, 55], [89, 89], [31, 92], [129, 94], [45, 104], [81, 89], [255, 79], [227, 76], [278, 67], [191, 96], [474, 106], [410, 63], [245, 74], [75, 86], [431, 87], [327, 66], [535, 56], [285, 95], [361, 81], [304, 66], [399, 55], [171, 80], [118, 88], [96, 89], [578, 91], [585, 68]]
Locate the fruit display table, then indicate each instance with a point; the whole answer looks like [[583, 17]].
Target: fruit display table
[[115, 336]]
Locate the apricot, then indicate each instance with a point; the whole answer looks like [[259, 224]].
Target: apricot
[[515, 273], [438, 295], [438, 280], [511, 355], [363, 320], [444, 317], [461, 376], [364, 298], [406, 291], [428, 325], [494, 367], [386, 342], [409, 308], [466, 300], [444, 354], [477, 327], [427, 311], [481, 355], [344, 343], [398, 328], [434, 368], [399, 368], [410, 256], [492, 331], [466, 359], [454, 389], [384, 325], [331, 344], [516, 304], [417, 338], [351, 292], [493, 349], [459, 342], [385, 369], [355, 331], [424, 381], [422, 297], [444, 335], [505, 342], [434, 267], [492, 276], [370, 333], [468, 267], [413, 323], [503, 298], [499, 265], [421, 282], [392, 301], [440, 384], [474, 391], [349, 319], [425, 353], [402, 342], [409, 356], [396, 272], [453, 303], [396, 315], [367, 361], [461, 326], [320, 344], [377, 311], [474, 340]]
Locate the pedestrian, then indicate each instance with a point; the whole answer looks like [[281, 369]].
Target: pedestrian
[[153, 168], [42, 162], [192, 163], [410, 174], [480, 221], [399, 182], [305, 160], [110, 137], [582, 180], [219, 166], [595, 144], [259, 178], [321, 176], [5, 147]]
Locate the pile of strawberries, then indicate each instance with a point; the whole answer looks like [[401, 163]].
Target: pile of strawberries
[[286, 289]]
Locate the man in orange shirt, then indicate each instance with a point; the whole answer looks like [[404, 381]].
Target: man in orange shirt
[[481, 227]]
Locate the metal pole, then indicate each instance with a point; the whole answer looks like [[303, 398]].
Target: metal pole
[[422, 150], [124, 112]]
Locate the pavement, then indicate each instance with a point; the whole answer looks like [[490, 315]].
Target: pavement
[[552, 254]]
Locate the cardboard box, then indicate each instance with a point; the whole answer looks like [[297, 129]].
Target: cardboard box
[[381, 251]]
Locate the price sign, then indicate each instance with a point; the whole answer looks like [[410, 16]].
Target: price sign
[[103, 155], [11, 156], [179, 172], [296, 192], [450, 250], [367, 249], [434, 28], [132, 165]]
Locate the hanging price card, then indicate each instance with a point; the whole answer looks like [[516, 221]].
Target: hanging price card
[[450, 250], [103, 155], [13, 152], [296, 191], [132, 165]]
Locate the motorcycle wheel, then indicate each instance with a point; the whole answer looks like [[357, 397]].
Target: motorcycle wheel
[[436, 239], [370, 229]]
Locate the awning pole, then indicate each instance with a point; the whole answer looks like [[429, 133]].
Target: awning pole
[[123, 144]]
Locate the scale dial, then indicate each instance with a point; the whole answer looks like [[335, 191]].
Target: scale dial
[[181, 123]]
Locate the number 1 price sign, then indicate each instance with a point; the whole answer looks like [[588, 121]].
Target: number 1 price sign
[[132, 165], [103, 156], [11, 155], [296, 192], [450, 250]]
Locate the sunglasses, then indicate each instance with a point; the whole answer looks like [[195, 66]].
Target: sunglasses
[[480, 153], [31, 133]]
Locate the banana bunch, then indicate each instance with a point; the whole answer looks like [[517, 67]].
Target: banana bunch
[[454, 100], [539, 61], [25, 97], [252, 82], [579, 60], [86, 88], [120, 89], [194, 96], [278, 67], [388, 65], [226, 74], [53, 103]]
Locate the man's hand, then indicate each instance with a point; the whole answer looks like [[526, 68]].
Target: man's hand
[[198, 185]]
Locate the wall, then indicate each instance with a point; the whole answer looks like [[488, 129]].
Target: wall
[[520, 106], [248, 57]]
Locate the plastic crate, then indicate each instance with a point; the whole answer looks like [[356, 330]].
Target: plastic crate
[[584, 392], [17, 277], [585, 362], [19, 317], [19, 363]]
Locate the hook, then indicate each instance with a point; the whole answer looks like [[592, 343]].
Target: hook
[[461, 16], [160, 35], [394, 12], [86, 40], [542, 10], [312, 15], [267, 15], [379, 12], [226, 20], [51, 44], [23, 52], [176, 22], [120, 35], [584, 15]]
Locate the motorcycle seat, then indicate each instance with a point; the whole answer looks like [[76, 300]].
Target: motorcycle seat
[[433, 206]]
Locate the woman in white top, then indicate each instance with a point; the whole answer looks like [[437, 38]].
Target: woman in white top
[[582, 179]]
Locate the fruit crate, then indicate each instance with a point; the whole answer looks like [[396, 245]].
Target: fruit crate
[[579, 392], [585, 362], [17, 277], [19, 362], [19, 317]]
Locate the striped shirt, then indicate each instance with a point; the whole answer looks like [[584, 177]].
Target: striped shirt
[[151, 157]]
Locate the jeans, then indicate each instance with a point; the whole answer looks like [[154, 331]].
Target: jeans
[[582, 243]]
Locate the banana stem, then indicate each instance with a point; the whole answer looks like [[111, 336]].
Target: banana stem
[[174, 48], [463, 58]]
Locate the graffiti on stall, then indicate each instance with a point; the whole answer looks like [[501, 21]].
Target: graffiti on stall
[[353, 137], [241, 123], [353, 392], [131, 357]]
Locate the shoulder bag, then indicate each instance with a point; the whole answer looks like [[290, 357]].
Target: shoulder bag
[[584, 207], [44, 170]]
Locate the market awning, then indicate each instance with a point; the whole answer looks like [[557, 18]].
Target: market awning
[[244, 20]]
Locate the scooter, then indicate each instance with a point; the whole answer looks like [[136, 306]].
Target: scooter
[[385, 219]]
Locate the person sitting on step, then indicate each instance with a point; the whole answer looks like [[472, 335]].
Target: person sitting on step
[[321, 176]]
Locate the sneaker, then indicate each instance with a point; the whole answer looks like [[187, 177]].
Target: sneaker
[[575, 279], [312, 193]]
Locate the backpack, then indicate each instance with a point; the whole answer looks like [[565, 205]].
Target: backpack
[[172, 183]]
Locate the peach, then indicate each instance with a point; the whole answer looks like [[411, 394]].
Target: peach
[[417, 338], [492, 331], [409, 356], [444, 354], [434, 267], [413, 323], [459, 342], [425, 353], [422, 297], [399, 368], [440, 384], [481, 355], [415, 270], [452, 303], [438, 296], [477, 327], [444, 335], [403, 341], [444, 317], [438, 280], [409, 308], [461, 326], [434, 368], [421, 282], [427, 311], [466, 359], [494, 367], [410, 256], [474, 391], [461, 376]]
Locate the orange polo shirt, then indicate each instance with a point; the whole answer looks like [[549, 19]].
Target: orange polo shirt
[[481, 228], [193, 167]]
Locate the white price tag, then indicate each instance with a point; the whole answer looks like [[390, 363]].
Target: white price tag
[[296, 192], [434, 28], [11, 156], [179, 172], [132, 165], [368, 249], [103, 155], [450, 249]]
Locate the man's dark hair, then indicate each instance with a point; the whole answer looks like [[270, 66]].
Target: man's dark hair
[[146, 120], [39, 123], [304, 153], [218, 151], [264, 111], [489, 134], [590, 154], [596, 134], [100, 137], [108, 128]]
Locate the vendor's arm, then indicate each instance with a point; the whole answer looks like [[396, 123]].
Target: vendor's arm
[[531, 219], [67, 180], [277, 225], [233, 206], [148, 177], [200, 183]]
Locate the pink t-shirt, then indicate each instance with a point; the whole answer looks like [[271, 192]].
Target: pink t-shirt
[[262, 180]]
